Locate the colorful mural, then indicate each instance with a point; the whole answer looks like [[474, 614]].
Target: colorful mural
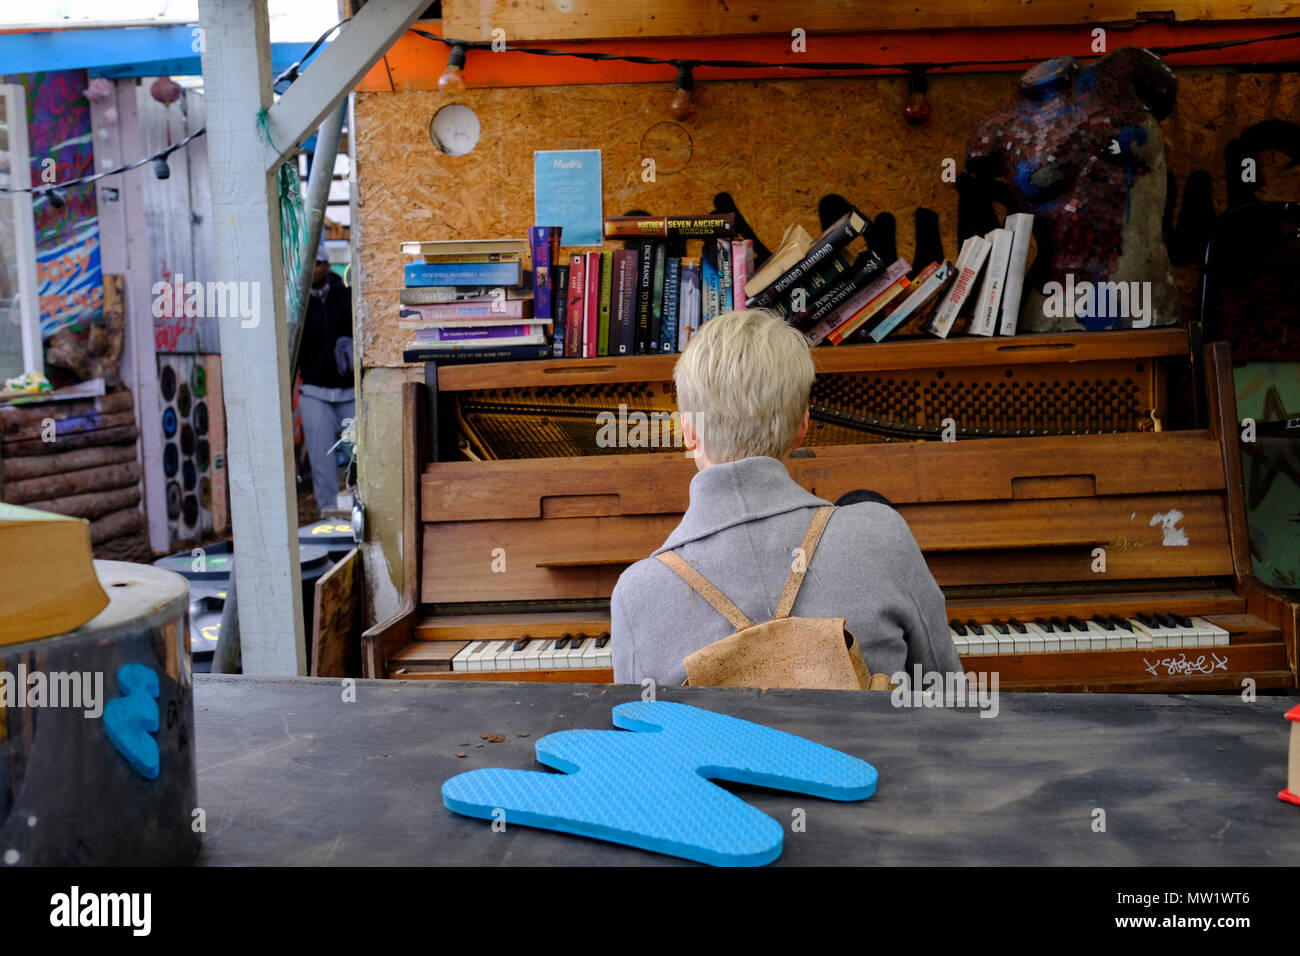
[[69, 280]]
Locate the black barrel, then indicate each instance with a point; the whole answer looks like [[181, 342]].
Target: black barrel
[[334, 534]]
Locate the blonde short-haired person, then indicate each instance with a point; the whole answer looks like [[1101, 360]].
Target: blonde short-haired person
[[742, 387]]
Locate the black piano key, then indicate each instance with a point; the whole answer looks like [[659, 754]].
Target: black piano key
[[1182, 621], [522, 643], [958, 626], [1018, 626], [974, 627], [563, 642], [999, 626], [1045, 624], [1166, 620], [602, 640], [1076, 624], [1146, 620], [1120, 622], [1104, 623]]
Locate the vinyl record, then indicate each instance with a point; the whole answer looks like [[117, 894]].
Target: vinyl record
[[167, 382], [189, 476], [183, 400], [169, 422], [171, 459], [187, 440], [190, 509], [173, 500], [200, 418], [202, 454], [199, 381]]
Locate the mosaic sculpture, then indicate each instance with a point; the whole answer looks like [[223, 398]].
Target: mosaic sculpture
[[1081, 150]]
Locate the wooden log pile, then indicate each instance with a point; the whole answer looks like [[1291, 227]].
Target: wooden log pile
[[78, 458]]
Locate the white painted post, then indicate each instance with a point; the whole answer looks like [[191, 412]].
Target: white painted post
[[254, 349]]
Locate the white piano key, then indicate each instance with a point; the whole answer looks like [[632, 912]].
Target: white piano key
[[461, 661], [1101, 639], [1218, 636], [512, 659], [533, 655], [1021, 642], [605, 655], [1006, 643], [1040, 642], [1069, 640], [574, 658], [590, 654], [546, 660], [1159, 635], [480, 659]]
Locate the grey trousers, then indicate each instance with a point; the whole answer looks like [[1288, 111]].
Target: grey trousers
[[322, 423]]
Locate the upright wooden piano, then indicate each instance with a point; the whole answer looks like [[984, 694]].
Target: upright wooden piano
[[1083, 540]]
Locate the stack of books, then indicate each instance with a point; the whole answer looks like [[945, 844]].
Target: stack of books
[[650, 297], [832, 288], [1002, 256], [487, 300], [471, 301]]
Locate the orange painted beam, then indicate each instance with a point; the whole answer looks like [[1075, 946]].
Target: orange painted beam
[[415, 62]]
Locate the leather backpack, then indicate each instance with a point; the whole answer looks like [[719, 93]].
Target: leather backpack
[[793, 652]]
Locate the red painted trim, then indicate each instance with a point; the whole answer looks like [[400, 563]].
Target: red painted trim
[[1289, 797], [415, 63]]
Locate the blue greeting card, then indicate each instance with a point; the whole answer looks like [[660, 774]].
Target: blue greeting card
[[566, 193]]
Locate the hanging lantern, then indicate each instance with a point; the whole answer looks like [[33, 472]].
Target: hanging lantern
[[165, 90]]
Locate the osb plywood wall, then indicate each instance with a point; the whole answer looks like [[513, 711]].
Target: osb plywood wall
[[776, 146]]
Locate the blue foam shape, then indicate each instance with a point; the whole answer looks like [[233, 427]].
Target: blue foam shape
[[131, 720], [650, 788]]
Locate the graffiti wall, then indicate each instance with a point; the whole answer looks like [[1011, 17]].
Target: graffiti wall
[[69, 281]]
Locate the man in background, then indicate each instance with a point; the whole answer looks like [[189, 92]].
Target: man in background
[[325, 364]]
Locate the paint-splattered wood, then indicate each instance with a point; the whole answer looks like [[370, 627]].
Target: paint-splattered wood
[[1183, 780], [336, 645]]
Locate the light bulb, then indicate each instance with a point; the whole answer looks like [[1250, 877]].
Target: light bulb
[[683, 104], [917, 108], [55, 197], [452, 80], [160, 168]]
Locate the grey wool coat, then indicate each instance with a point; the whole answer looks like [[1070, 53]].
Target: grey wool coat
[[744, 521]]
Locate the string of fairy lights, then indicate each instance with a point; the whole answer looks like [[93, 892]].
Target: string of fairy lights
[[453, 80]]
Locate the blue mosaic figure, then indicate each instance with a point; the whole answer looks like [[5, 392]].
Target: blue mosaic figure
[[651, 789], [131, 720]]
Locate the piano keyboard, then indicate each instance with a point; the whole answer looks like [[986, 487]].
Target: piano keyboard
[[531, 654], [1099, 633]]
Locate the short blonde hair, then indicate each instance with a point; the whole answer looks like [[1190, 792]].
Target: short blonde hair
[[744, 379]]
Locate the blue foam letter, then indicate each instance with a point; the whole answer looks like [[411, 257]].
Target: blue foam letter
[[651, 789], [131, 719]]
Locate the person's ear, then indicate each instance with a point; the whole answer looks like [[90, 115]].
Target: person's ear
[[802, 433], [689, 438]]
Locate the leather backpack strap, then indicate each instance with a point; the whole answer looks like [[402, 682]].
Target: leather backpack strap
[[705, 588], [807, 547]]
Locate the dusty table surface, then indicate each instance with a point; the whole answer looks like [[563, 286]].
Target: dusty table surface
[[291, 774]]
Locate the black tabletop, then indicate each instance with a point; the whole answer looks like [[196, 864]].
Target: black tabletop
[[291, 773]]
